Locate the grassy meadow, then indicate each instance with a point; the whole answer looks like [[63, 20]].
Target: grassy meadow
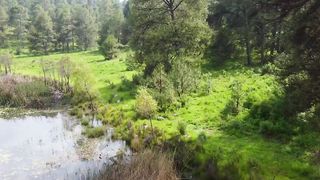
[[205, 112]]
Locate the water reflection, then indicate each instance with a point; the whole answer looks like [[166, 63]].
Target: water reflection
[[43, 147]]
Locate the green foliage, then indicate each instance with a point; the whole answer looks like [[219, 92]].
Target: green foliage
[[184, 77], [24, 92], [83, 85], [274, 129], [85, 28], [85, 122], [94, 132], [182, 128], [4, 29], [6, 62], [111, 20], [222, 47], [146, 106], [41, 32], [166, 30], [300, 70], [132, 64], [109, 47], [236, 96], [163, 91]]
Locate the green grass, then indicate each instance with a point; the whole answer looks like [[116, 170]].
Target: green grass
[[103, 71], [202, 113]]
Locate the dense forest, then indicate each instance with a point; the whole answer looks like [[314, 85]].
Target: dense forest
[[209, 89]]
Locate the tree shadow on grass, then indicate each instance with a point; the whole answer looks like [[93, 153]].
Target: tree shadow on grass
[[29, 55]]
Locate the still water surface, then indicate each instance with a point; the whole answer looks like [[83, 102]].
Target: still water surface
[[52, 147]]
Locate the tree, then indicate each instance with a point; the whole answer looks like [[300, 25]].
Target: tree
[[238, 16], [41, 32], [18, 19], [163, 90], [109, 47], [184, 77], [4, 30], [6, 61], [301, 69], [64, 29], [164, 30], [85, 27], [84, 89], [65, 70], [222, 46], [111, 19], [146, 106]]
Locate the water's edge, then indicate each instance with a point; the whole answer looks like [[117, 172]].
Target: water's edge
[[51, 146]]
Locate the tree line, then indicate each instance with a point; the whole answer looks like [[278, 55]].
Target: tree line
[[171, 37], [45, 26]]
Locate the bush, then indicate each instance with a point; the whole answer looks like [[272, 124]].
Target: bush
[[182, 127], [236, 96], [270, 128], [21, 91], [145, 165], [132, 64], [95, 132], [84, 122], [109, 47], [146, 106], [222, 47], [184, 78], [307, 141]]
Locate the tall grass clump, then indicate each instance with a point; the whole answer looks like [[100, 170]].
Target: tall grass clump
[[144, 165], [16, 91]]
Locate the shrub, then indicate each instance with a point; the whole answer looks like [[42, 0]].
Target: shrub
[[306, 141], [182, 127], [132, 64], [136, 144], [145, 165], [146, 106], [95, 132], [109, 47], [22, 91], [6, 62], [84, 122], [270, 128], [222, 47], [184, 77], [236, 96], [162, 88]]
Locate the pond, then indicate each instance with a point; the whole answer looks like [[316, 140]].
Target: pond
[[52, 147]]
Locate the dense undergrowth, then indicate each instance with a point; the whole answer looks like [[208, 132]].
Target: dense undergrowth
[[27, 92], [209, 135]]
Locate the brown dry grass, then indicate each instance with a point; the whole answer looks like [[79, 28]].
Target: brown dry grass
[[147, 165]]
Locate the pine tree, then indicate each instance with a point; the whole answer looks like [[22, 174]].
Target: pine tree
[[85, 27], [18, 20], [4, 29], [165, 31], [41, 32]]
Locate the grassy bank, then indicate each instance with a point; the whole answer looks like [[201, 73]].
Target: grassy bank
[[237, 144]]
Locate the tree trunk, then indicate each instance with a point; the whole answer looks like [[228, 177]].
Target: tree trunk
[[262, 48], [247, 40], [151, 127]]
